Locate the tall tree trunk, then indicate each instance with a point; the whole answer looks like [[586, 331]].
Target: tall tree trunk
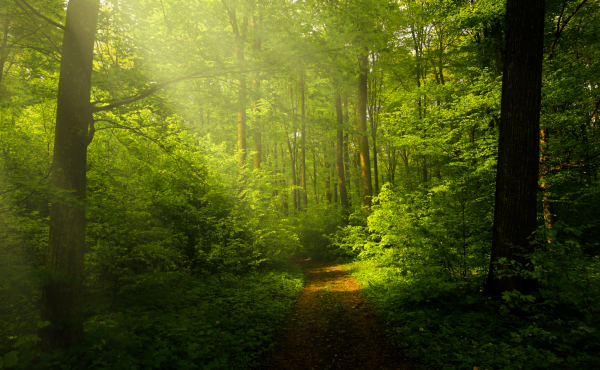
[[239, 34], [4, 48], [365, 162], [303, 143], [242, 143], [404, 155], [256, 136], [424, 173], [62, 293], [275, 193], [373, 113], [327, 177], [547, 207], [283, 192], [346, 152], [518, 148], [293, 162], [315, 176], [339, 163]]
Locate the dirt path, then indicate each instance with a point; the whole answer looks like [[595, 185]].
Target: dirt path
[[333, 327]]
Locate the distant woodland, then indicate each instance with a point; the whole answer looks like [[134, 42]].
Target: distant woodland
[[163, 161]]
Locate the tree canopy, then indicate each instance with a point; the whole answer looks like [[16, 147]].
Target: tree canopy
[[167, 157]]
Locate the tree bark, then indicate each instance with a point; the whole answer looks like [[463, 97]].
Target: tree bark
[[257, 132], [518, 148], [62, 293], [365, 162], [283, 192], [303, 142], [346, 152], [339, 163], [315, 176], [548, 209], [239, 35], [4, 49]]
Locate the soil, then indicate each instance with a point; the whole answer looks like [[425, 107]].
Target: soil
[[333, 327]]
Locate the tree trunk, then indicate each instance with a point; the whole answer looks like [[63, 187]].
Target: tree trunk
[[373, 113], [256, 135], [327, 177], [346, 151], [275, 193], [425, 175], [339, 163], [518, 148], [283, 192], [365, 162], [4, 49], [548, 209], [404, 155], [62, 293], [239, 35], [303, 143], [293, 163], [315, 176]]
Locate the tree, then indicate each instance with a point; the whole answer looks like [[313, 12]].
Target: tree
[[257, 132], [339, 162], [239, 34], [365, 162], [518, 148], [62, 294]]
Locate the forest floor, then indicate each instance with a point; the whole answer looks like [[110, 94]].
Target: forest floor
[[333, 327]]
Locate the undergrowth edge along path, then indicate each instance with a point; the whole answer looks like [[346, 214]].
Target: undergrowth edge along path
[[333, 327]]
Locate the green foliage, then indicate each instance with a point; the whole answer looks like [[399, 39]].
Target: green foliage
[[449, 324], [174, 321]]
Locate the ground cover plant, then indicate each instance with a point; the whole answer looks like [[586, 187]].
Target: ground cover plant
[[182, 323], [444, 320]]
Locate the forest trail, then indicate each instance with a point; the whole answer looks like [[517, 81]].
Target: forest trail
[[333, 327]]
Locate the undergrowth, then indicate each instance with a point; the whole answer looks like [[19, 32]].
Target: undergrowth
[[172, 321], [451, 325]]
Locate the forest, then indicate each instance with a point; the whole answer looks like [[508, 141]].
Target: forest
[[264, 184]]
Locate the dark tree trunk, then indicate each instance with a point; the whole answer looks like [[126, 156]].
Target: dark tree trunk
[[518, 148], [62, 293], [365, 162]]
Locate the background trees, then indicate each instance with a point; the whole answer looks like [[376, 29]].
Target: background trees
[[374, 134]]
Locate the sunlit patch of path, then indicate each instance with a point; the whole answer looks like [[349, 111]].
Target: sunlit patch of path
[[333, 327]]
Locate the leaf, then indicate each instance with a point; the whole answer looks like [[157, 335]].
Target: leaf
[[10, 359]]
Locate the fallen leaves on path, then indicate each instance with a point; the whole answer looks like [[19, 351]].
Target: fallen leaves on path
[[333, 327]]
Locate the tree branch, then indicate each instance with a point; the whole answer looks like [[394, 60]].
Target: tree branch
[[560, 29], [164, 84], [40, 15]]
